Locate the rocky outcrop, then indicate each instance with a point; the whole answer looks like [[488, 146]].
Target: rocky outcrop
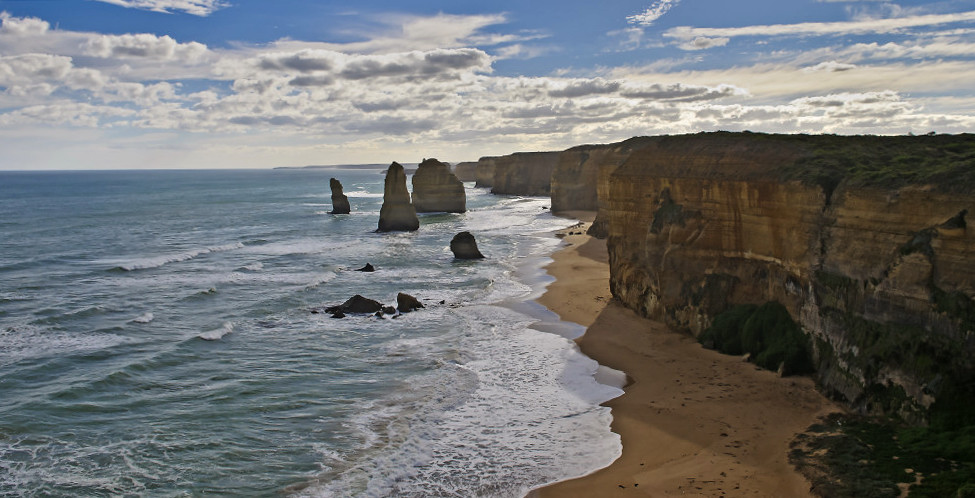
[[397, 213], [340, 203], [484, 172], [464, 246], [466, 171], [864, 240], [356, 304], [406, 303], [436, 189], [524, 173]]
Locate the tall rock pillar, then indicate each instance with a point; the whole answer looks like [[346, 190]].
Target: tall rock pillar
[[397, 213]]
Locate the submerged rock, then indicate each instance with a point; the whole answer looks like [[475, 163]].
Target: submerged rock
[[406, 303], [397, 213], [340, 203], [356, 304], [368, 268], [464, 246], [436, 189]]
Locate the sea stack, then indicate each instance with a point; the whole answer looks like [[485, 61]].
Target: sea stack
[[464, 246], [340, 203], [397, 213], [436, 189]]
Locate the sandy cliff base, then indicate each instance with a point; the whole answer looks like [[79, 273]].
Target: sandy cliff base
[[693, 422]]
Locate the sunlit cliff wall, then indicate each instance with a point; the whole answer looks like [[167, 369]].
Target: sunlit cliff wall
[[878, 266]]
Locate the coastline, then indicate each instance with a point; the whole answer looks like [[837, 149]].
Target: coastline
[[692, 421]]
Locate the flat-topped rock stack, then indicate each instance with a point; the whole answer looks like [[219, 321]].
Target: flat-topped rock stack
[[436, 189]]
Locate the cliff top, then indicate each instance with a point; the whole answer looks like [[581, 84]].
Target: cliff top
[[946, 162]]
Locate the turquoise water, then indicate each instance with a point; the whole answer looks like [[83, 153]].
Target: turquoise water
[[156, 338]]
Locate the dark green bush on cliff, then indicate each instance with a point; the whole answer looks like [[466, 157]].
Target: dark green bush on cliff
[[767, 333]]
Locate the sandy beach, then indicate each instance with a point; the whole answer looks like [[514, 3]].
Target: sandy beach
[[693, 422]]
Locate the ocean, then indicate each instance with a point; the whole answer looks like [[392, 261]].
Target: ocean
[[157, 339]]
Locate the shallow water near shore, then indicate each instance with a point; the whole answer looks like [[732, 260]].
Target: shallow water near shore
[[156, 338]]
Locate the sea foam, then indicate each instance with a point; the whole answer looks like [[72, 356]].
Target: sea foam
[[158, 261]]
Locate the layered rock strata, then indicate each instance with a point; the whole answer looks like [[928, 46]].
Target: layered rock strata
[[340, 202], [863, 239], [397, 212], [436, 189]]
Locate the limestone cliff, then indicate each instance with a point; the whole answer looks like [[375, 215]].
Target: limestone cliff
[[524, 173], [466, 171], [397, 212], [484, 172], [436, 189], [863, 239]]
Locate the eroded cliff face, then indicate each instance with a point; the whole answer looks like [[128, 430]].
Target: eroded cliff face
[[882, 277], [580, 180], [524, 173]]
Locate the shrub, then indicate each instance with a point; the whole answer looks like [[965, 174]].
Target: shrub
[[767, 333]]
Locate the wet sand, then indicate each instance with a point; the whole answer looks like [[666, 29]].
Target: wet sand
[[693, 422]]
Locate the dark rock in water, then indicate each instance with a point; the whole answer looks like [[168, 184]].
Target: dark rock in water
[[397, 213], [379, 314], [338, 314], [356, 304], [389, 310], [406, 303], [464, 246], [368, 268], [436, 189], [340, 203]]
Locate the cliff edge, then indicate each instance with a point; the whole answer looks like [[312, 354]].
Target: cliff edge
[[864, 240]]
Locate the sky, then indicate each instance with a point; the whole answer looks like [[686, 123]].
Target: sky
[[128, 84]]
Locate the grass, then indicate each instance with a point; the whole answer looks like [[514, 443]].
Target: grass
[[947, 161], [850, 456]]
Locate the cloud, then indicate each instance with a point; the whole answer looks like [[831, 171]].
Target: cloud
[[581, 88], [868, 26], [704, 43], [303, 61], [200, 8], [404, 33], [22, 26], [387, 93], [33, 68], [829, 67], [441, 62], [144, 45], [680, 92], [654, 12]]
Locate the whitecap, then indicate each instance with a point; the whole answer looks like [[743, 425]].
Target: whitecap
[[217, 334], [157, 261], [143, 318], [258, 266]]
